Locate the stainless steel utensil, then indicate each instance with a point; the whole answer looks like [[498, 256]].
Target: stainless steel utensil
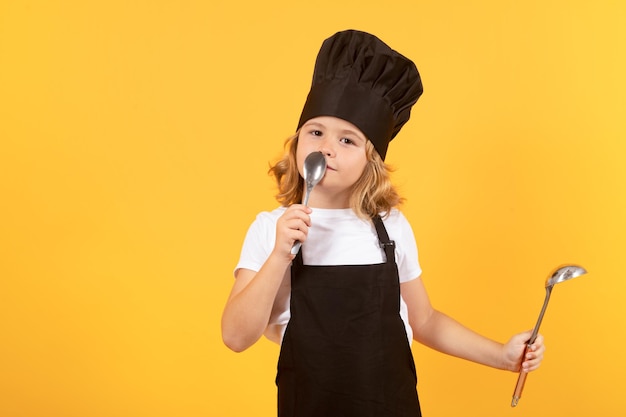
[[314, 169], [561, 274]]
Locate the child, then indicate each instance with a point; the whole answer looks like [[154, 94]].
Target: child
[[346, 307]]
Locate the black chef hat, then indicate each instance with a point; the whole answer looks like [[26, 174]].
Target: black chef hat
[[358, 78]]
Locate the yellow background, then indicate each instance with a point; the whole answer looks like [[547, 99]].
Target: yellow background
[[135, 140]]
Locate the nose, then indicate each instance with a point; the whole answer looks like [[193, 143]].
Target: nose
[[327, 148]]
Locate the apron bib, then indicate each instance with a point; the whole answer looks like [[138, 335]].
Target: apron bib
[[345, 351]]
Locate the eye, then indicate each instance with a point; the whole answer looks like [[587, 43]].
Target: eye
[[347, 141], [316, 132]]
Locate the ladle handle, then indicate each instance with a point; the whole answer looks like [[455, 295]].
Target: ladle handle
[[521, 380]]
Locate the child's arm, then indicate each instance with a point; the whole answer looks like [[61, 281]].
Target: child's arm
[[439, 331], [250, 303], [249, 306]]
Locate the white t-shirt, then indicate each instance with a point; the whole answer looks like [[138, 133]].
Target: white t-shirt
[[336, 237]]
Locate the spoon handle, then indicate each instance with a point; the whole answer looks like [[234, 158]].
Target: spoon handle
[[296, 246], [307, 193]]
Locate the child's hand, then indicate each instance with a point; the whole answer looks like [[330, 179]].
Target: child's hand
[[292, 226], [514, 353]]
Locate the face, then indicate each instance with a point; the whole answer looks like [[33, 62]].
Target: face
[[343, 144]]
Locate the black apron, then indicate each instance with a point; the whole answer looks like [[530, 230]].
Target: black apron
[[345, 352]]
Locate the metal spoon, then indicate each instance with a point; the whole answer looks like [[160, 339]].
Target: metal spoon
[[314, 169], [561, 274]]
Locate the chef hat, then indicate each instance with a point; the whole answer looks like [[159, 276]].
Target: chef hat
[[358, 78]]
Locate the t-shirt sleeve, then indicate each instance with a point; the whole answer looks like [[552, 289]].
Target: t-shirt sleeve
[[258, 243], [406, 251]]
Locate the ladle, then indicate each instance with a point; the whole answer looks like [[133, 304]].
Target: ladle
[[561, 274], [314, 169]]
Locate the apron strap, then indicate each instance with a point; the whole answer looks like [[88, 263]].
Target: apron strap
[[387, 244]]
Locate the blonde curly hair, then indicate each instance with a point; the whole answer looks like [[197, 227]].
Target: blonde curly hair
[[372, 194]]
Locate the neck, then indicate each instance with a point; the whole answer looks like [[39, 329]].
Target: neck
[[329, 201]]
